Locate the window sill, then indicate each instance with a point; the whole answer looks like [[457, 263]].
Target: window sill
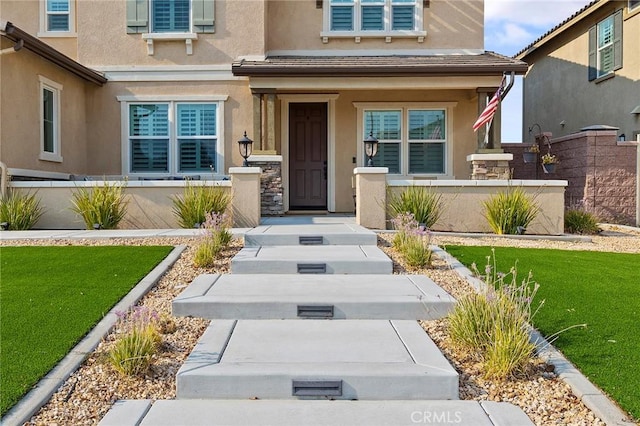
[[387, 35], [48, 156], [57, 34], [187, 37], [605, 77]]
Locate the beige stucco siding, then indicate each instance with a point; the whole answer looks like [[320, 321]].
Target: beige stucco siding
[[239, 31], [557, 89], [21, 122], [106, 124], [297, 25], [25, 14]]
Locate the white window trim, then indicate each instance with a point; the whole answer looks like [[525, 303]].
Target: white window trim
[[187, 37], [600, 72], [57, 34], [388, 34], [152, 36], [632, 8], [125, 101], [361, 107], [56, 88]]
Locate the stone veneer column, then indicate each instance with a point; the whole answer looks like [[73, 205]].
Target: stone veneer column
[[371, 196], [271, 191], [245, 190], [490, 166]]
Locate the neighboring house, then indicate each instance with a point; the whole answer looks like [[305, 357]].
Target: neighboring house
[[586, 71], [167, 88]]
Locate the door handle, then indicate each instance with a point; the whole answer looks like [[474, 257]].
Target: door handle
[[324, 169]]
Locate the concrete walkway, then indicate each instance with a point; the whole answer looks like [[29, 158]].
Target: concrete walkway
[[29, 405], [290, 367]]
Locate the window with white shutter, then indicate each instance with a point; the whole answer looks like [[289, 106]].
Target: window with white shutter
[[50, 93], [57, 18], [605, 46], [174, 138], [170, 16], [412, 138], [196, 137], [373, 18]]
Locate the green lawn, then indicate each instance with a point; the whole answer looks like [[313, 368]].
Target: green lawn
[[599, 289], [50, 297]]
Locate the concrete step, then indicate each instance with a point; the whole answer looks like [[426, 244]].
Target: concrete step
[[316, 359], [316, 234], [311, 260], [313, 413], [337, 296]]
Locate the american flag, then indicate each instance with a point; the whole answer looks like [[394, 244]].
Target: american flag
[[490, 110]]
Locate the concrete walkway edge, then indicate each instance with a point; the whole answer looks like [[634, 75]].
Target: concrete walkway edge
[[49, 384], [590, 395]]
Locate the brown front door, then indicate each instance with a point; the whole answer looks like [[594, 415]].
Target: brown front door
[[308, 156]]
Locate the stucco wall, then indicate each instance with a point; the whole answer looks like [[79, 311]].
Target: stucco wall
[[149, 203], [557, 89], [601, 172], [20, 143], [463, 210], [25, 14], [106, 125], [296, 25], [239, 30]]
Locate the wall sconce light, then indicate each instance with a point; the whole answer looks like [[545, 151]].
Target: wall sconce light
[[370, 148], [636, 110], [246, 145]]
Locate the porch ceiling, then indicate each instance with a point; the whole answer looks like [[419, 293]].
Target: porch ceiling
[[458, 65]]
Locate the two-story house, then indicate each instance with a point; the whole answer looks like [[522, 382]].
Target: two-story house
[[586, 71], [165, 88]]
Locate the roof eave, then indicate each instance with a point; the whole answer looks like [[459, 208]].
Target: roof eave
[[244, 70], [47, 52], [559, 29]]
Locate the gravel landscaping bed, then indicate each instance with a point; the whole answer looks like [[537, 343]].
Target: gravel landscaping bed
[[89, 393]]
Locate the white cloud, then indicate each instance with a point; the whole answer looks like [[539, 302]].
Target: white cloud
[[510, 25], [508, 37], [537, 13]]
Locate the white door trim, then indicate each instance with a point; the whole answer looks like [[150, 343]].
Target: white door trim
[[330, 99]]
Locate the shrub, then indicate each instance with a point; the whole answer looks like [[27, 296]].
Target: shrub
[[215, 238], [416, 249], [196, 201], [578, 221], [425, 205], [510, 212], [104, 206], [404, 224], [495, 323], [412, 240], [20, 210], [470, 321], [132, 353]]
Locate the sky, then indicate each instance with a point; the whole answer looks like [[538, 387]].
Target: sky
[[510, 26]]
